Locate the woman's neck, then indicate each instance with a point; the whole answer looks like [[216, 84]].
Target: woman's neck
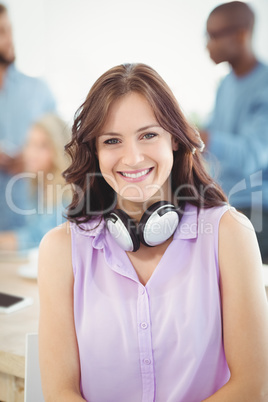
[[136, 209]]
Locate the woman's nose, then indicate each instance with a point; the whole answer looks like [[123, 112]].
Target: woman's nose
[[132, 155]]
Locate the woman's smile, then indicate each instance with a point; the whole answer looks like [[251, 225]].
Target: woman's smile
[[137, 175]]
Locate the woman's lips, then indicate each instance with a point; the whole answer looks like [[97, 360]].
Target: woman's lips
[[136, 175]]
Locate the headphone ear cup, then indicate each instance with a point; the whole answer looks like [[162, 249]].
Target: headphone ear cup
[[158, 223], [123, 229]]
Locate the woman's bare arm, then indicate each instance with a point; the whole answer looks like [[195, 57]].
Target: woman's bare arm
[[245, 312], [58, 351]]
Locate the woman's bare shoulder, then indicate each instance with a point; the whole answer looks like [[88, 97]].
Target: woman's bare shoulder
[[238, 243], [55, 252], [235, 220], [58, 237]]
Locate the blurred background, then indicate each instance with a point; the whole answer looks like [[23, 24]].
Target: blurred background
[[71, 43]]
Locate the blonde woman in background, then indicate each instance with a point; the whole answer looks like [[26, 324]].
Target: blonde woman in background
[[44, 161]]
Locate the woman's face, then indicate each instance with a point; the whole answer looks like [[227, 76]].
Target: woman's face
[[38, 153], [135, 154]]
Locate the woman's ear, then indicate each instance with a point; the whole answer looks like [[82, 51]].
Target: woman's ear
[[175, 144]]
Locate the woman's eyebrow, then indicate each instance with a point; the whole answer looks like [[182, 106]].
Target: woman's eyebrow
[[138, 131], [146, 127], [109, 134]]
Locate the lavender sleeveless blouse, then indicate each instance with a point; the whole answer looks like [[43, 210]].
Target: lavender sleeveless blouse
[[156, 343]]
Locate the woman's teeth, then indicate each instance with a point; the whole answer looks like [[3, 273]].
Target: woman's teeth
[[135, 175]]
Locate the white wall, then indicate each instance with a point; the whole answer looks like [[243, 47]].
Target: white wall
[[72, 42]]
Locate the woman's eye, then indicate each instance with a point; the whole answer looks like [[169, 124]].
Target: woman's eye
[[148, 136], [111, 141]]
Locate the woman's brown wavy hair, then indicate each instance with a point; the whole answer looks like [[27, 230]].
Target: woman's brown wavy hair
[[91, 193]]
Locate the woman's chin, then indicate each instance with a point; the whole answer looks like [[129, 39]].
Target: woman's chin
[[138, 199]]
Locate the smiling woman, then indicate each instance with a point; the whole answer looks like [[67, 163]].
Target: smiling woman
[[157, 302]]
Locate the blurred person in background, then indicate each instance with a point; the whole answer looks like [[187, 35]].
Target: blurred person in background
[[237, 134], [23, 100], [44, 161]]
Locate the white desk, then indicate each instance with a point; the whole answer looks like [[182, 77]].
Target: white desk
[[13, 329]]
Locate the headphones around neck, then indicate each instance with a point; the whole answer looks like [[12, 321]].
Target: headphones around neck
[[158, 223]]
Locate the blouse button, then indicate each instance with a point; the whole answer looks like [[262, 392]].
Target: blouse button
[[142, 291], [144, 325], [147, 361]]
